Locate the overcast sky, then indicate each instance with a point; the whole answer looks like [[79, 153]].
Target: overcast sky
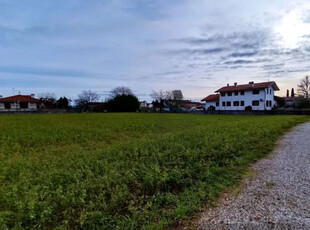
[[198, 46]]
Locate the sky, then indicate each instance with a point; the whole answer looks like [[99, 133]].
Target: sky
[[196, 46]]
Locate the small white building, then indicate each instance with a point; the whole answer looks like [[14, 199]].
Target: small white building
[[19, 103], [143, 104], [252, 96], [212, 102]]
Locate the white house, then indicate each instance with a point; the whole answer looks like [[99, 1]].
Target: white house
[[212, 102], [143, 104], [19, 103], [252, 96]]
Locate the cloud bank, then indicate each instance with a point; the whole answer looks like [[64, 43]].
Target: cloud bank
[[195, 46]]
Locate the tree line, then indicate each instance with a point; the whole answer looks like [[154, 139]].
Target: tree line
[[122, 99], [50, 102]]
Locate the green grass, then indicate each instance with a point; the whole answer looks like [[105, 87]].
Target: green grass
[[124, 171]]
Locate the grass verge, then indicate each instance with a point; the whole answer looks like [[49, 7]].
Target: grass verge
[[124, 171]]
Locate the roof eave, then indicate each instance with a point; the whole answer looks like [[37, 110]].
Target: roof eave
[[275, 86]]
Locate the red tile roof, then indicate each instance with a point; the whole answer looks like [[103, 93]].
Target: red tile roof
[[212, 97], [20, 98], [246, 87]]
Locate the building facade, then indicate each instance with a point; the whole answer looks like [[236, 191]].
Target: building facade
[[19, 103], [212, 102], [252, 96]]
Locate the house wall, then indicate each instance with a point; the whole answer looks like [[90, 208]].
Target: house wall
[[32, 105], [211, 103], [248, 97], [16, 107], [270, 96]]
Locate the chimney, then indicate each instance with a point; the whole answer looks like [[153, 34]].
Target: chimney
[[32, 95], [227, 84], [251, 83], [235, 84]]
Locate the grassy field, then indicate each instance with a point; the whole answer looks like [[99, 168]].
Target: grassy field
[[124, 171]]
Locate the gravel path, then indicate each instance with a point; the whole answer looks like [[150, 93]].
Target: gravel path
[[278, 197]]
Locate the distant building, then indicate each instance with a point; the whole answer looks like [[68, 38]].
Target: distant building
[[96, 107], [212, 102], [187, 105], [19, 103], [252, 96], [143, 104], [289, 101]]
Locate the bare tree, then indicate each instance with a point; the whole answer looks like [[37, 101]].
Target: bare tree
[[304, 87], [48, 99], [177, 94], [161, 99], [86, 97], [121, 91], [161, 95]]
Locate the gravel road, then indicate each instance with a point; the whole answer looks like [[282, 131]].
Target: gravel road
[[277, 197]]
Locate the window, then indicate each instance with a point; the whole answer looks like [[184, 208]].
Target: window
[[228, 103], [229, 93], [242, 103], [223, 94], [255, 103], [256, 91], [236, 103], [223, 103], [23, 105], [270, 103], [217, 104], [236, 93], [7, 105], [242, 93], [267, 103]]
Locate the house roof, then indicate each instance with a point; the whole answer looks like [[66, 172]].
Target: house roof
[[289, 98], [261, 85], [212, 97], [189, 104], [20, 98]]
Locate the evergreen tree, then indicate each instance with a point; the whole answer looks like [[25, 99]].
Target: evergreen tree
[[123, 103], [292, 93], [63, 103]]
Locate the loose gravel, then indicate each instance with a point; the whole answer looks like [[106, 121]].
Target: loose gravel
[[277, 197]]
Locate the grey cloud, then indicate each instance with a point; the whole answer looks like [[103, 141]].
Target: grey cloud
[[238, 62], [298, 70], [273, 66], [244, 54], [209, 51], [241, 39], [201, 51], [197, 41], [243, 61]]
